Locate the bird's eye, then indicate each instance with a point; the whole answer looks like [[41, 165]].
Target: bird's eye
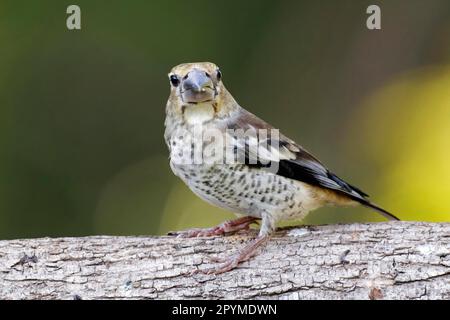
[[219, 75], [174, 80]]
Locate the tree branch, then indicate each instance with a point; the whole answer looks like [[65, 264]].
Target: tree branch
[[359, 261]]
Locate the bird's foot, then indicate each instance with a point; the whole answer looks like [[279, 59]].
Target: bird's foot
[[232, 262], [231, 226]]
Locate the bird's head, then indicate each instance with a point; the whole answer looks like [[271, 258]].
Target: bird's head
[[197, 88]]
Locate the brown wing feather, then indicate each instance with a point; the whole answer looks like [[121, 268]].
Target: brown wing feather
[[299, 164]]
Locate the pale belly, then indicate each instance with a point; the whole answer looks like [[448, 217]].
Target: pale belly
[[250, 191]]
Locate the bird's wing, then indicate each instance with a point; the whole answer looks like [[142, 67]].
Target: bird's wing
[[294, 161]]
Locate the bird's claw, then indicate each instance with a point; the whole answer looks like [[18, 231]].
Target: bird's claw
[[227, 265], [232, 262], [224, 228], [197, 233], [215, 259]]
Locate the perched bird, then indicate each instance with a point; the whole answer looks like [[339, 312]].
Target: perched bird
[[284, 182]]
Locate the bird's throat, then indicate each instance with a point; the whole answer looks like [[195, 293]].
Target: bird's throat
[[199, 113]]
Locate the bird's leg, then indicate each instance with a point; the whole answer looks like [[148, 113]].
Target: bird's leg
[[230, 226], [232, 262], [267, 227]]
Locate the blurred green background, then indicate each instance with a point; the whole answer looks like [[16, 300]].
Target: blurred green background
[[82, 112]]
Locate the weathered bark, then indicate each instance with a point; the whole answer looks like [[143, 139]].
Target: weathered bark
[[360, 261]]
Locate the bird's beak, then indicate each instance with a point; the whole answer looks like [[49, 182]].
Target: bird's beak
[[197, 87]]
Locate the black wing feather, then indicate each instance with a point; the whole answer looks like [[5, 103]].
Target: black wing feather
[[304, 166]]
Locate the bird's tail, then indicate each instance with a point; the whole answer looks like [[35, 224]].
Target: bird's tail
[[385, 213], [359, 196]]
